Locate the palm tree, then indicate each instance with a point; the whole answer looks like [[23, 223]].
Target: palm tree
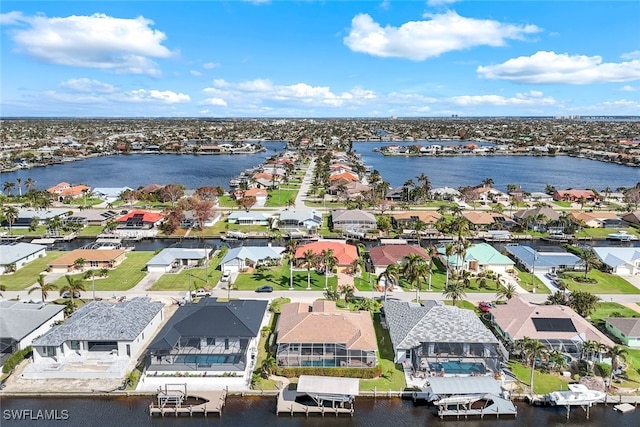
[[8, 187], [79, 263], [19, 181], [506, 291], [30, 184], [487, 182], [454, 291], [590, 260], [330, 261], [10, 215], [449, 250], [292, 246], [391, 276], [419, 226], [411, 269], [557, 360], [309, 260], [73, 286], [432, 254], [616, 352], [43, 287], [533, 350]]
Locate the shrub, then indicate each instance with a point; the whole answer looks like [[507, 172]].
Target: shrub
[[365, 373], [603, 369], [15, 359]]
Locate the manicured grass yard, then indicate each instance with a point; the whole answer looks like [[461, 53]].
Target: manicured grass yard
[[278, 277], [607, 283], [28, 275], [91, 230], [122, 278], [392, 375], [180, 281], [604, 232], [279, 197], [542, 383], [525, 282], [606, 309]]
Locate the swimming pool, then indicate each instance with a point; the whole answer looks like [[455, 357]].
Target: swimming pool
[[455, 367], [206, 360], [318, 363]]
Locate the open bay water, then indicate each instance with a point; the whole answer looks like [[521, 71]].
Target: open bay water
[[260, 411]]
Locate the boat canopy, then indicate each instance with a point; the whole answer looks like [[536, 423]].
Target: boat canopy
[[446, 386]]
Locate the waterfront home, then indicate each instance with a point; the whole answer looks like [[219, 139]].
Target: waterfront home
[[485, 194], [91, 258], [536, 218], [173, 259], [353, 220], [538, 262], [619, 260], [445, 193], [433, 339], [22, 322], [385, 255], [597, 219], [345, 254], [408, 219], [91, 217], [479, 258], [260, 195], [101, 339], [350, 190], [481, 220], [64, 189], [342, 178], [320, 335], [15, 255], [556, 326], [110, 194], [575, 195], [309, 220], [632, 217], [250, 218], [240, 258], [139, 220], [537, 196], [207, 340], [39, 216], [626, 329]]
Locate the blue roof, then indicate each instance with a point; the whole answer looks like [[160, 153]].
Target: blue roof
[[526, 255]]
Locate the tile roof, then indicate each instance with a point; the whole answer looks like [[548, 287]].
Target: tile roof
[[391, 254], [344, 252], [103, 255], [411, 324], [104, 321], [321, 322], [484, 253], [168, 255], [429, 217], [145, 216]]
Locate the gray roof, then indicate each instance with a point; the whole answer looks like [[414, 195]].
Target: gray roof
[[463, 385], [14, 252], [301, 215], [250, 216], [41, 214], [104, 321], [352, 215], [315, 384], [19, 319], [411, 324], [169, 255], [254, 253], [629, 326], [111, 192]]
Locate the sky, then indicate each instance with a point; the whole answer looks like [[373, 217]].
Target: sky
[[331, 58]]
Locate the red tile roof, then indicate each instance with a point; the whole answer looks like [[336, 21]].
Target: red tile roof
[[147, 216], [345, 253]]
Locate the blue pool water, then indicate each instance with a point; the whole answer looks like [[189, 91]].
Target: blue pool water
[[205, 359], [330, 363], [453, 367]]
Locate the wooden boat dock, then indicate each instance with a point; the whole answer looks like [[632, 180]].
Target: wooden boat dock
[[177, 402], [324, 390]]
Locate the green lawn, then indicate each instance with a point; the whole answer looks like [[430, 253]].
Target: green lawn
[[122, 278], [28, 275], [542, 383], [180, 281], [392, 375], [604, 232], [25, 231], [562, 204], [278, 277], [227, 202], [632, 359], [91, 230], [279, 197], [607, 283], [525, 282], [606, 309]]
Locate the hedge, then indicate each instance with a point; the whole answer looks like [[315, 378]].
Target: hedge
[[15, 359], [366, 373]]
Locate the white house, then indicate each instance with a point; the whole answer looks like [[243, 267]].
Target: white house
[[170, 258], [623, 261], [100, 340], [250, 218], [244, 256], [14, 256], [300, 219], [22, 322]]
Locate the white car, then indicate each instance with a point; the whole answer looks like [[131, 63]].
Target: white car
[[226, 276], [200, 293]]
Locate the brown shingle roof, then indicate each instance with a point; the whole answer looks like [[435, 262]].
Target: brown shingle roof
[[391, 254]]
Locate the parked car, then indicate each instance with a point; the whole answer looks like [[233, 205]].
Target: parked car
[[484, 306], [226, 276], [200, 293], [265, 289], [67, 294]]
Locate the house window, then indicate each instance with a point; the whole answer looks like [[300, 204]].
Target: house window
[[50, 351], [94, 264], [226, 343], [74, 345], [211, 341]]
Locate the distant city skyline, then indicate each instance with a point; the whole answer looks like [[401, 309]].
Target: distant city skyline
[[435, 58]]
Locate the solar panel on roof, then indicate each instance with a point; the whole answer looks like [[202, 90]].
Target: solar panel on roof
[[550, 324]]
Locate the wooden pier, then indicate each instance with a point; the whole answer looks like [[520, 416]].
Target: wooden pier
[[287, 405], [196, 403]]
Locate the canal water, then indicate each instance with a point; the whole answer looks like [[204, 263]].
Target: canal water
[[260, 411]]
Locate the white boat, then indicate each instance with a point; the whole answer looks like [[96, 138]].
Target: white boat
[[578, 394], [623, 236]]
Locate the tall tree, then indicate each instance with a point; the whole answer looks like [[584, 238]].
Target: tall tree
[[309, 260], [330, 261], [506, 291], [43, 288], [19, 181], [454, 291], [616, 353], [533, 349], [10, 215], [583, 302], [590, 260], [73, 286], [292, 247], [411, 268]]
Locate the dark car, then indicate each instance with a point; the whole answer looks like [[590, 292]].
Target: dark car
[[67, 294], [265, 289]]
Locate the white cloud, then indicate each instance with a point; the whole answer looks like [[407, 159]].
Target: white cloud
[[195, 73], [87, 86], [551, 67], [166, 97], [210, 65], [631, 55], [96, 41], [628, 88], [214, 101], [533, 98], [11, 18], [419, 40]]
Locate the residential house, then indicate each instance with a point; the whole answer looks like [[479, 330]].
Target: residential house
[[632, 217], [260, 195], [353, 220], [15, 255], [110, 194], [174, 258], [479, 258], [309, 220], [318, 334], [445, 193], [557, 326], [626, 329], [140, 220], [596, 219], [22, 322], [574, 195], [207, 340], [101, 339], [482, 220], [93, 258], [345, 254], [86, 217], [250, 218], [536, 218], [64, 189], [408, 219], [239, 258], [485, 194], [441, 340], [385, 255], [342, 178], [543, 262], [620, 260], [350, 190], [27, 215]]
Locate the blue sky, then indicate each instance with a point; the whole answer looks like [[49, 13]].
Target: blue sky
[[319, 58]]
